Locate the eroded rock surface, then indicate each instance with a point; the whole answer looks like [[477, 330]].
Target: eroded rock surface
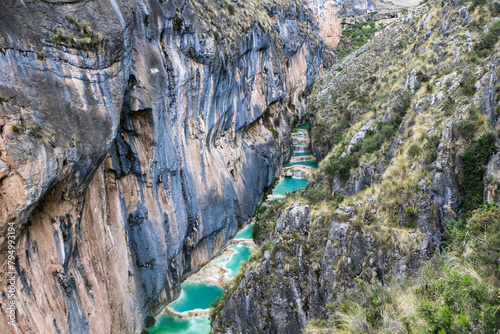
[[132, 143]]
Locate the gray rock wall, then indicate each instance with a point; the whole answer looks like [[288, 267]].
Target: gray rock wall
[[126, 165]]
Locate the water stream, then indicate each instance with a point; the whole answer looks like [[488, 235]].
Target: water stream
[[197, 295]]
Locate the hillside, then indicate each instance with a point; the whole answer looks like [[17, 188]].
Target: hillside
[[398, 231]]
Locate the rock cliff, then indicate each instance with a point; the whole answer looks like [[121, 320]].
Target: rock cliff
[[136, 135], [405, 131]]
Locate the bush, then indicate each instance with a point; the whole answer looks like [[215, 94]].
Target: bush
[[341, 166], [431, 147], [474, 161], [150, 321], [414, 151], [315, 195], [256, 232], [495, 8], [468, 84], [487, 41]]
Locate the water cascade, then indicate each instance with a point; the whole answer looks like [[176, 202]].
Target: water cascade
[[189, 314]]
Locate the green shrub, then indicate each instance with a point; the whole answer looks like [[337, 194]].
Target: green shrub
[[459, 304], [474, 161], [414, 151], [16, 128], [488, 40], [315, 195], [150, 321], [468, 84], [379, 297], [431, 149], [495, 8], [256, 232], [341, 166], [357, 225]]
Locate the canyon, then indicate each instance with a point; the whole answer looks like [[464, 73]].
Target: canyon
[[136, 137]]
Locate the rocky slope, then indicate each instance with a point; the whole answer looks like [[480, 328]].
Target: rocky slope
[[135, 137], [406, 133]]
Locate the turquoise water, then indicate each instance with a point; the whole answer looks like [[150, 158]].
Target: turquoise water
[[241, 256], [301, 154], [245, 233], [166, 324], [310, 163], [289, 184], [196, 295]]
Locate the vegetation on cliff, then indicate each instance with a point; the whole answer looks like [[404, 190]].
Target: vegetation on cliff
[[404, 132]]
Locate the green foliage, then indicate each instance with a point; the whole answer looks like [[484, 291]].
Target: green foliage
[[16, 128], [459, 304], [414, 151], [355, 36], [474, 161], [150, 321], [377, 301], [455, 292], [431, 149], [86, 39], [495, 8], [256, 232], [411, 216], [488, 40], [327, 134], [315, 195], [481, 232], [468, 84], [341, 166], [357, 225]]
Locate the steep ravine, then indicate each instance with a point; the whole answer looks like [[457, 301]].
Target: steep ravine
[[405, 131], [132, 149]]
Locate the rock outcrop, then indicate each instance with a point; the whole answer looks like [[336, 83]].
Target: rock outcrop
[[402, 146], [132, 144], [287, 287]]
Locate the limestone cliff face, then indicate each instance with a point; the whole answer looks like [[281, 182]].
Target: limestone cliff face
[[132, 144], [329, 11]]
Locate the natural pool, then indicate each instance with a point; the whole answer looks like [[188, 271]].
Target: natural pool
[[301, 154], [245, 233], [288, 184], [196, 295], [167, 324], [310, 163], [241, 255], [199, 295]]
